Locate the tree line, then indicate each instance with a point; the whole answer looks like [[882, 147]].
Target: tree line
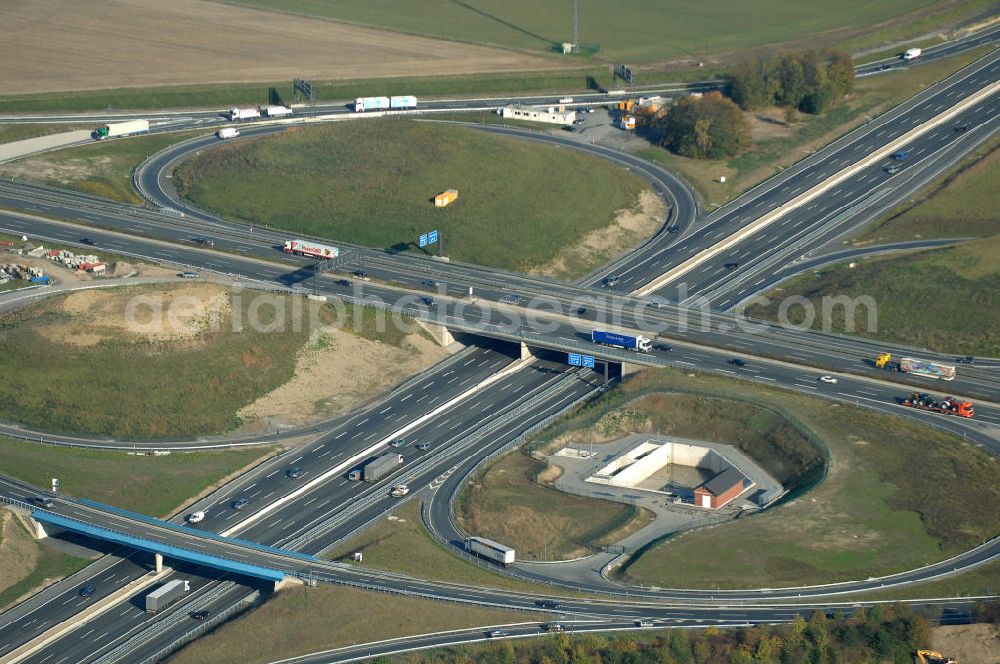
[[882, 633], [713, 126]]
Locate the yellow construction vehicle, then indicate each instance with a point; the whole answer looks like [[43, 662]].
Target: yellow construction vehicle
[[934, 657], [883, 360]]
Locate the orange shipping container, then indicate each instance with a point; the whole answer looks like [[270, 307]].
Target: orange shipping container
[[445, 198]]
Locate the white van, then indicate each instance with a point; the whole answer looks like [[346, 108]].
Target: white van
[[228, 132]]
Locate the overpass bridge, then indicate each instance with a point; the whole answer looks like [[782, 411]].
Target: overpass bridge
[[164, 539]]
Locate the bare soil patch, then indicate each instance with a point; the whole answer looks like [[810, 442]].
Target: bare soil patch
[[630, 227], [18, 553], [337, 370], [167, 314], [52, 45], [968, 643]]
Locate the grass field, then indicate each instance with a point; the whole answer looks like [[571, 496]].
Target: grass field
[[103, 169], [156, 486], [888, 501], [72, 363], [945, 300], [505, 503], [370, 182], [58, 378], [638, 31], [331, 617], [963, 203], [777, 146], [403, 545]]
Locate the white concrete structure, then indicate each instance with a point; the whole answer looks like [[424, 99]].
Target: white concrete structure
[[548, 115], [641, 462]]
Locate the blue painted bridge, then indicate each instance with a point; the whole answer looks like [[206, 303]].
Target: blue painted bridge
[[217, 560]]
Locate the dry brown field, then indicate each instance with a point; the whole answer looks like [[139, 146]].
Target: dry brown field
[[59, 45]]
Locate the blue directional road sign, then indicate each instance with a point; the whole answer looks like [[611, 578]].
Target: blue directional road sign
[[575, 359], [588, 361], [423, 240], [432, 237]]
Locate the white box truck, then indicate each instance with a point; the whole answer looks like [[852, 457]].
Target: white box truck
[[243, 114], [405, 101], [362, 104], [489, 549], [166, 595], [121, 129], [277, 111]]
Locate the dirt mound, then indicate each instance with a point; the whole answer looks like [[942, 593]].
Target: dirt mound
[[968, 643], [629, 229], [152, 315], [337, 370], [18, 552]]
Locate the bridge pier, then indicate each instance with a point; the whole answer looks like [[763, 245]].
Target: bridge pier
[[526, 353], [158, 562]]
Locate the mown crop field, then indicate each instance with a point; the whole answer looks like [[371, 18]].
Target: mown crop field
[[373, 182], [634, 31]]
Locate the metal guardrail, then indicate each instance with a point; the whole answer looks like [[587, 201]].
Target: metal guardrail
[[179, 615]]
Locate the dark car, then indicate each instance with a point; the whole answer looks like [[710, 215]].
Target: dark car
[[737, 362], [428, 300], [344, 282], [361, 273], [240, 504], [548, 604], [569, 128], [294, 472], [900, 155], [612, 280], [961, 128], [199, 615], [88, 241], [731, 266], [664, 347], [673, 229], [202, 240], [44, 501], [968, 359], [581, 311], [87, 591]]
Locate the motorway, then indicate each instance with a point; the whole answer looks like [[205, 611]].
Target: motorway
[[273, 529]]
